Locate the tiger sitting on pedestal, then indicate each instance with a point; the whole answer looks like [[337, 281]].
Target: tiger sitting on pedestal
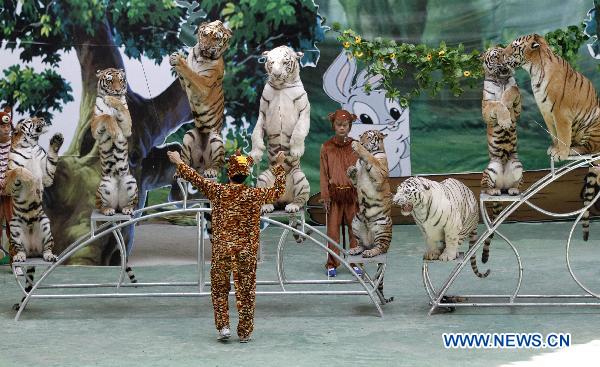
[[372, 224], [201, 76], [111, 126], [284, 118]]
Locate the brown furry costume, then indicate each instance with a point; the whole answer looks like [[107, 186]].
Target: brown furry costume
[[5, 201], [236, 230], [336, 157]]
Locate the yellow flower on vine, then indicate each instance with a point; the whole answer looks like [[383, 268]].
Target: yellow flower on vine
[[429, 57], [441, 53], [358, 53], [346, 44], [392, 56], [467, 73], [357, 39]]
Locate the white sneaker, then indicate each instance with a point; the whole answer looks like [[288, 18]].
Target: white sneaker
[[224, 334]]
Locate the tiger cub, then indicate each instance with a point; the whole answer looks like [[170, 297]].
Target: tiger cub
[[446, 212], [372, 224], [111, 126], [501, 107], [30, 233], [201, 76]]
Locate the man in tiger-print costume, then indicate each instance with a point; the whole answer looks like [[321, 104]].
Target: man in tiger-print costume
[[236, 235], [5, 139], [337, 192], [201, 76]]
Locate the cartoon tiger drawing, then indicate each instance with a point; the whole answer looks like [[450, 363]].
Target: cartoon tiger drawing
[[111, 126], [284, 118], [30, 233], [568, 102], [201, 75], [501, 107], [445, 212], [372, 224]]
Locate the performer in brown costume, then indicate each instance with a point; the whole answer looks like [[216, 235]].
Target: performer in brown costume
[[236, 230], [5, 201], [337, 192]]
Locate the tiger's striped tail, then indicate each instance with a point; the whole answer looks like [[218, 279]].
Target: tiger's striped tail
[[130, 274], [485, 254], [472, 241], [588, 192], [29, 273]]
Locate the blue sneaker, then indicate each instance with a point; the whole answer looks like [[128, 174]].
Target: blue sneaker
[[357, 270], [331, 272]]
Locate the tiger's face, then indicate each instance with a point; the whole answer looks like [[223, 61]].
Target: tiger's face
[[282, 65], [32, 127], [410, 194], [493, 63], [112, 81], [20, 180], [523, 50], [372, 140], [213, 39]]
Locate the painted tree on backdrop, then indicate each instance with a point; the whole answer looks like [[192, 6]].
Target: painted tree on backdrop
[[95, 30]]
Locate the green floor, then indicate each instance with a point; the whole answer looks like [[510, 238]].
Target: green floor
[[308, 330]]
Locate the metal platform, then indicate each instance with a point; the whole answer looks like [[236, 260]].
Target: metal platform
[[112, 225], [440, 299]]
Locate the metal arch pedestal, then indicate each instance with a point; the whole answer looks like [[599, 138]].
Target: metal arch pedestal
[[440, 298], [41, 290]]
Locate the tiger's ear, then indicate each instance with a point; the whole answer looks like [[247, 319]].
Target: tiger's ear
[[299, 55], [537, 39], [265, 53], [98, 73], [19, 126]]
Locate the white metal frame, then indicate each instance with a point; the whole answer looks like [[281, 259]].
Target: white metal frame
[[439, 299], [368, 285]]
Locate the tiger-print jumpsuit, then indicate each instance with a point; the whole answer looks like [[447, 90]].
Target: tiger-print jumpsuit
[[236, 235]]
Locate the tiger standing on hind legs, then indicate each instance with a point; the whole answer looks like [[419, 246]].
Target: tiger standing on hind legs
[[501, 107], [568, 103], [284, 119], [5, 200], [201, 76]]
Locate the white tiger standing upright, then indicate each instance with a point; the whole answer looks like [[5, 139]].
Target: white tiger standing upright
[[111, 126], [284, 118], [29, 165]]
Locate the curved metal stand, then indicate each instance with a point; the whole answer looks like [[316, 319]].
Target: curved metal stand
[[114, 225], [440, 298]]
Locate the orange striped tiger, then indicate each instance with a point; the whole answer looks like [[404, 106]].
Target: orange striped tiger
[[567, 100], [201, 75], [372, 224]]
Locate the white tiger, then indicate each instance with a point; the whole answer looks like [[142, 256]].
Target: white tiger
[[372, 224], [446, 212], [111, 126], [284, 118], [27, 153], [30, 233]]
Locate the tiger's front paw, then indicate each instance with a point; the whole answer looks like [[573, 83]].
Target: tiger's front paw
[[355, 251], [19, 257], [448, 254], [267, 208], [57, 141], [493, 192], [210, 173], [107, 211], [297, 151], [557, 154], [49, 256], [431, 254], [514, 191], [351, 172], [176, 58], [372, 252], [127, 211], [292, 208]]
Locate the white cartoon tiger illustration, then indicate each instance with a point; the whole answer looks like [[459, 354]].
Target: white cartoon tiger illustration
[[374, 110], [201, 75], [372, 224], [111, 126], [284, 119], [446, 212]]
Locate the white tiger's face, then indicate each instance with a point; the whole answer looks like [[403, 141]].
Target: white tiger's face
[[112, 81], [410, 194], [282, 65], [213, 39], [372, 140], [33, 127]]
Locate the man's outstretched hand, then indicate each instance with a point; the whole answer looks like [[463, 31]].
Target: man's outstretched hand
[[174, 157]]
